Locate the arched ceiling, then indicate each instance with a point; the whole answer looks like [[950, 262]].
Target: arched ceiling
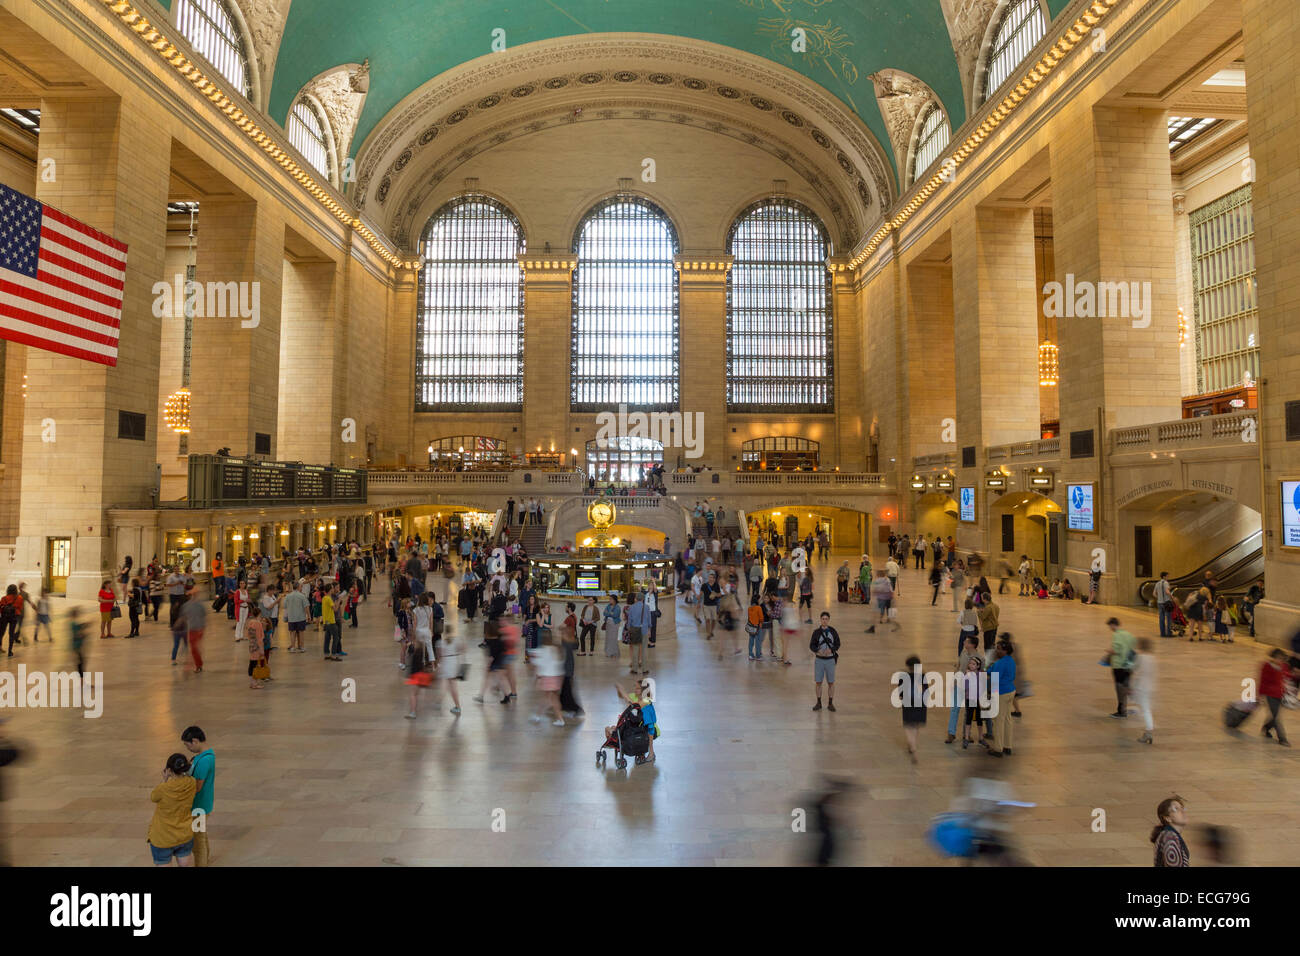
[[409, 43]]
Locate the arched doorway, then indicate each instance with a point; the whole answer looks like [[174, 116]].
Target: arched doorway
[[1020, 522], [936, 514], [622, 458]]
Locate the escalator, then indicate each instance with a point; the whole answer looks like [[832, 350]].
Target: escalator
[[1234, 571]]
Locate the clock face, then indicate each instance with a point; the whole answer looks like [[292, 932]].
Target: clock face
[[601, 514]]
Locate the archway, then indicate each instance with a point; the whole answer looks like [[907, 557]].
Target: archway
[[1187, 533], [622, 459], [936, 514], [783, 526], [1019, 523]]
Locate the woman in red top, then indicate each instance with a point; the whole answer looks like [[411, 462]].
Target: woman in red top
[[107, 600], [11, 616], [1271, 687]]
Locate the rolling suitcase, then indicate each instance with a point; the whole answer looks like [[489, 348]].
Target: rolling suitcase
[[1238, 711]]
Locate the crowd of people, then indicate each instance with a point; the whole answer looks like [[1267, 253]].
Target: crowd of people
[[502, 608]]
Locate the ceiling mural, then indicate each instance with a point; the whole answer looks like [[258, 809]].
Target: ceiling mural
[[835, 43]]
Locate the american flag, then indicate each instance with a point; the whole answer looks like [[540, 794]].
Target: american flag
[[60, 281]]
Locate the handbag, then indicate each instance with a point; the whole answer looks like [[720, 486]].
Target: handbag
[[116, 612], [261, 671]]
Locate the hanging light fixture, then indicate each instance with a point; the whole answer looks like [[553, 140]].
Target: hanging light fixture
[[253, 535], [176, 411], [333, 526], [1048, 367]]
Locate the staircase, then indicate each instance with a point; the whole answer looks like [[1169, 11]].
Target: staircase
[[700, 528], [532, 536]]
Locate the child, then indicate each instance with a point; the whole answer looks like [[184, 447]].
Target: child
[[418, 675], [256, 651], [170, 835], [648, 714], [550, 677], [1221, 632], [970, 691], [451, 655]]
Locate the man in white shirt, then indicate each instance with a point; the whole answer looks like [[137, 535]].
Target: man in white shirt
[[697, 591], [891, 570]]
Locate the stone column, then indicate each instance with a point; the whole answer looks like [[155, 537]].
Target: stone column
[[850, 426], [312, 333], [702, 374], [548, 320], [1112, 237], [111, 172], [1271, 29], [928, 375], [236, 369]]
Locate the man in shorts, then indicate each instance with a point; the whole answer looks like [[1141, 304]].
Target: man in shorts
[[710, 594], [825, 645], [637, 615], [203, 767], [294, 607]]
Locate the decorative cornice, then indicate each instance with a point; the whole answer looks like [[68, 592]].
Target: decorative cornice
[[1076, 33], [539, 267], [718, 264], [157, 39]]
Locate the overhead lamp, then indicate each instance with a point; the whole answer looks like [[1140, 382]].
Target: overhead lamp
[[284, 532], [320, 528], [236, 537], [254, 536], [176, 411], [188, 540], [1048, 364], [333, 526]]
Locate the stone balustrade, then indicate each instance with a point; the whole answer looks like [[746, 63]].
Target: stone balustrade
[[1227, 430]]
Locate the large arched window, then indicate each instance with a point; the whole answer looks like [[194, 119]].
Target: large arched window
[[1021, 27], [212, 31], [622, 458], [624, 344], [469, 329], [930, 141], [307, 135], [779, 354]]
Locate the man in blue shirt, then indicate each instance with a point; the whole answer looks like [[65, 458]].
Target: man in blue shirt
[[204, 769], [1003, 669]]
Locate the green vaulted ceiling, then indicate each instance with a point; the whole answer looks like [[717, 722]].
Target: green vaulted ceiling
[[408, 42]]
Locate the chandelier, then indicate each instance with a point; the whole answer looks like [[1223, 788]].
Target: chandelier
[[1048, 368], [176, 411]]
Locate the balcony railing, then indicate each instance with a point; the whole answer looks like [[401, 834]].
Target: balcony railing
[[549, 483], [1040, 448], [1228, 430], [945, 460]]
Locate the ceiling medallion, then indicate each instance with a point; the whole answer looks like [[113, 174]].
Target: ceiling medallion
[[521, 91], [625, 76], [759, 103], [791, 118], [556, 83], [693, 84], [590, 78]]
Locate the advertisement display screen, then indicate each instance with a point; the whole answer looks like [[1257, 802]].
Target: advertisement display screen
[[588, 582], [1078, 508], [966, 502], [1291, 514]]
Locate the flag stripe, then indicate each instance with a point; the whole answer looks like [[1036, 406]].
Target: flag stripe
[[12, 307], [53, 342], [42, 303], [74, 272], [92, 235], [80, 291], [68, 241]]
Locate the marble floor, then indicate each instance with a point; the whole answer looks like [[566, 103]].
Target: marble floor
[[305, 778]]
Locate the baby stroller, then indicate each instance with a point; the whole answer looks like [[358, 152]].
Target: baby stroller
[[631, 737], [856, 594], [1177, 620]]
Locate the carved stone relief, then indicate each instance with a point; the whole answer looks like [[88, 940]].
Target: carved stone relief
[[968, 22], [901, 97], [265, 20]]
